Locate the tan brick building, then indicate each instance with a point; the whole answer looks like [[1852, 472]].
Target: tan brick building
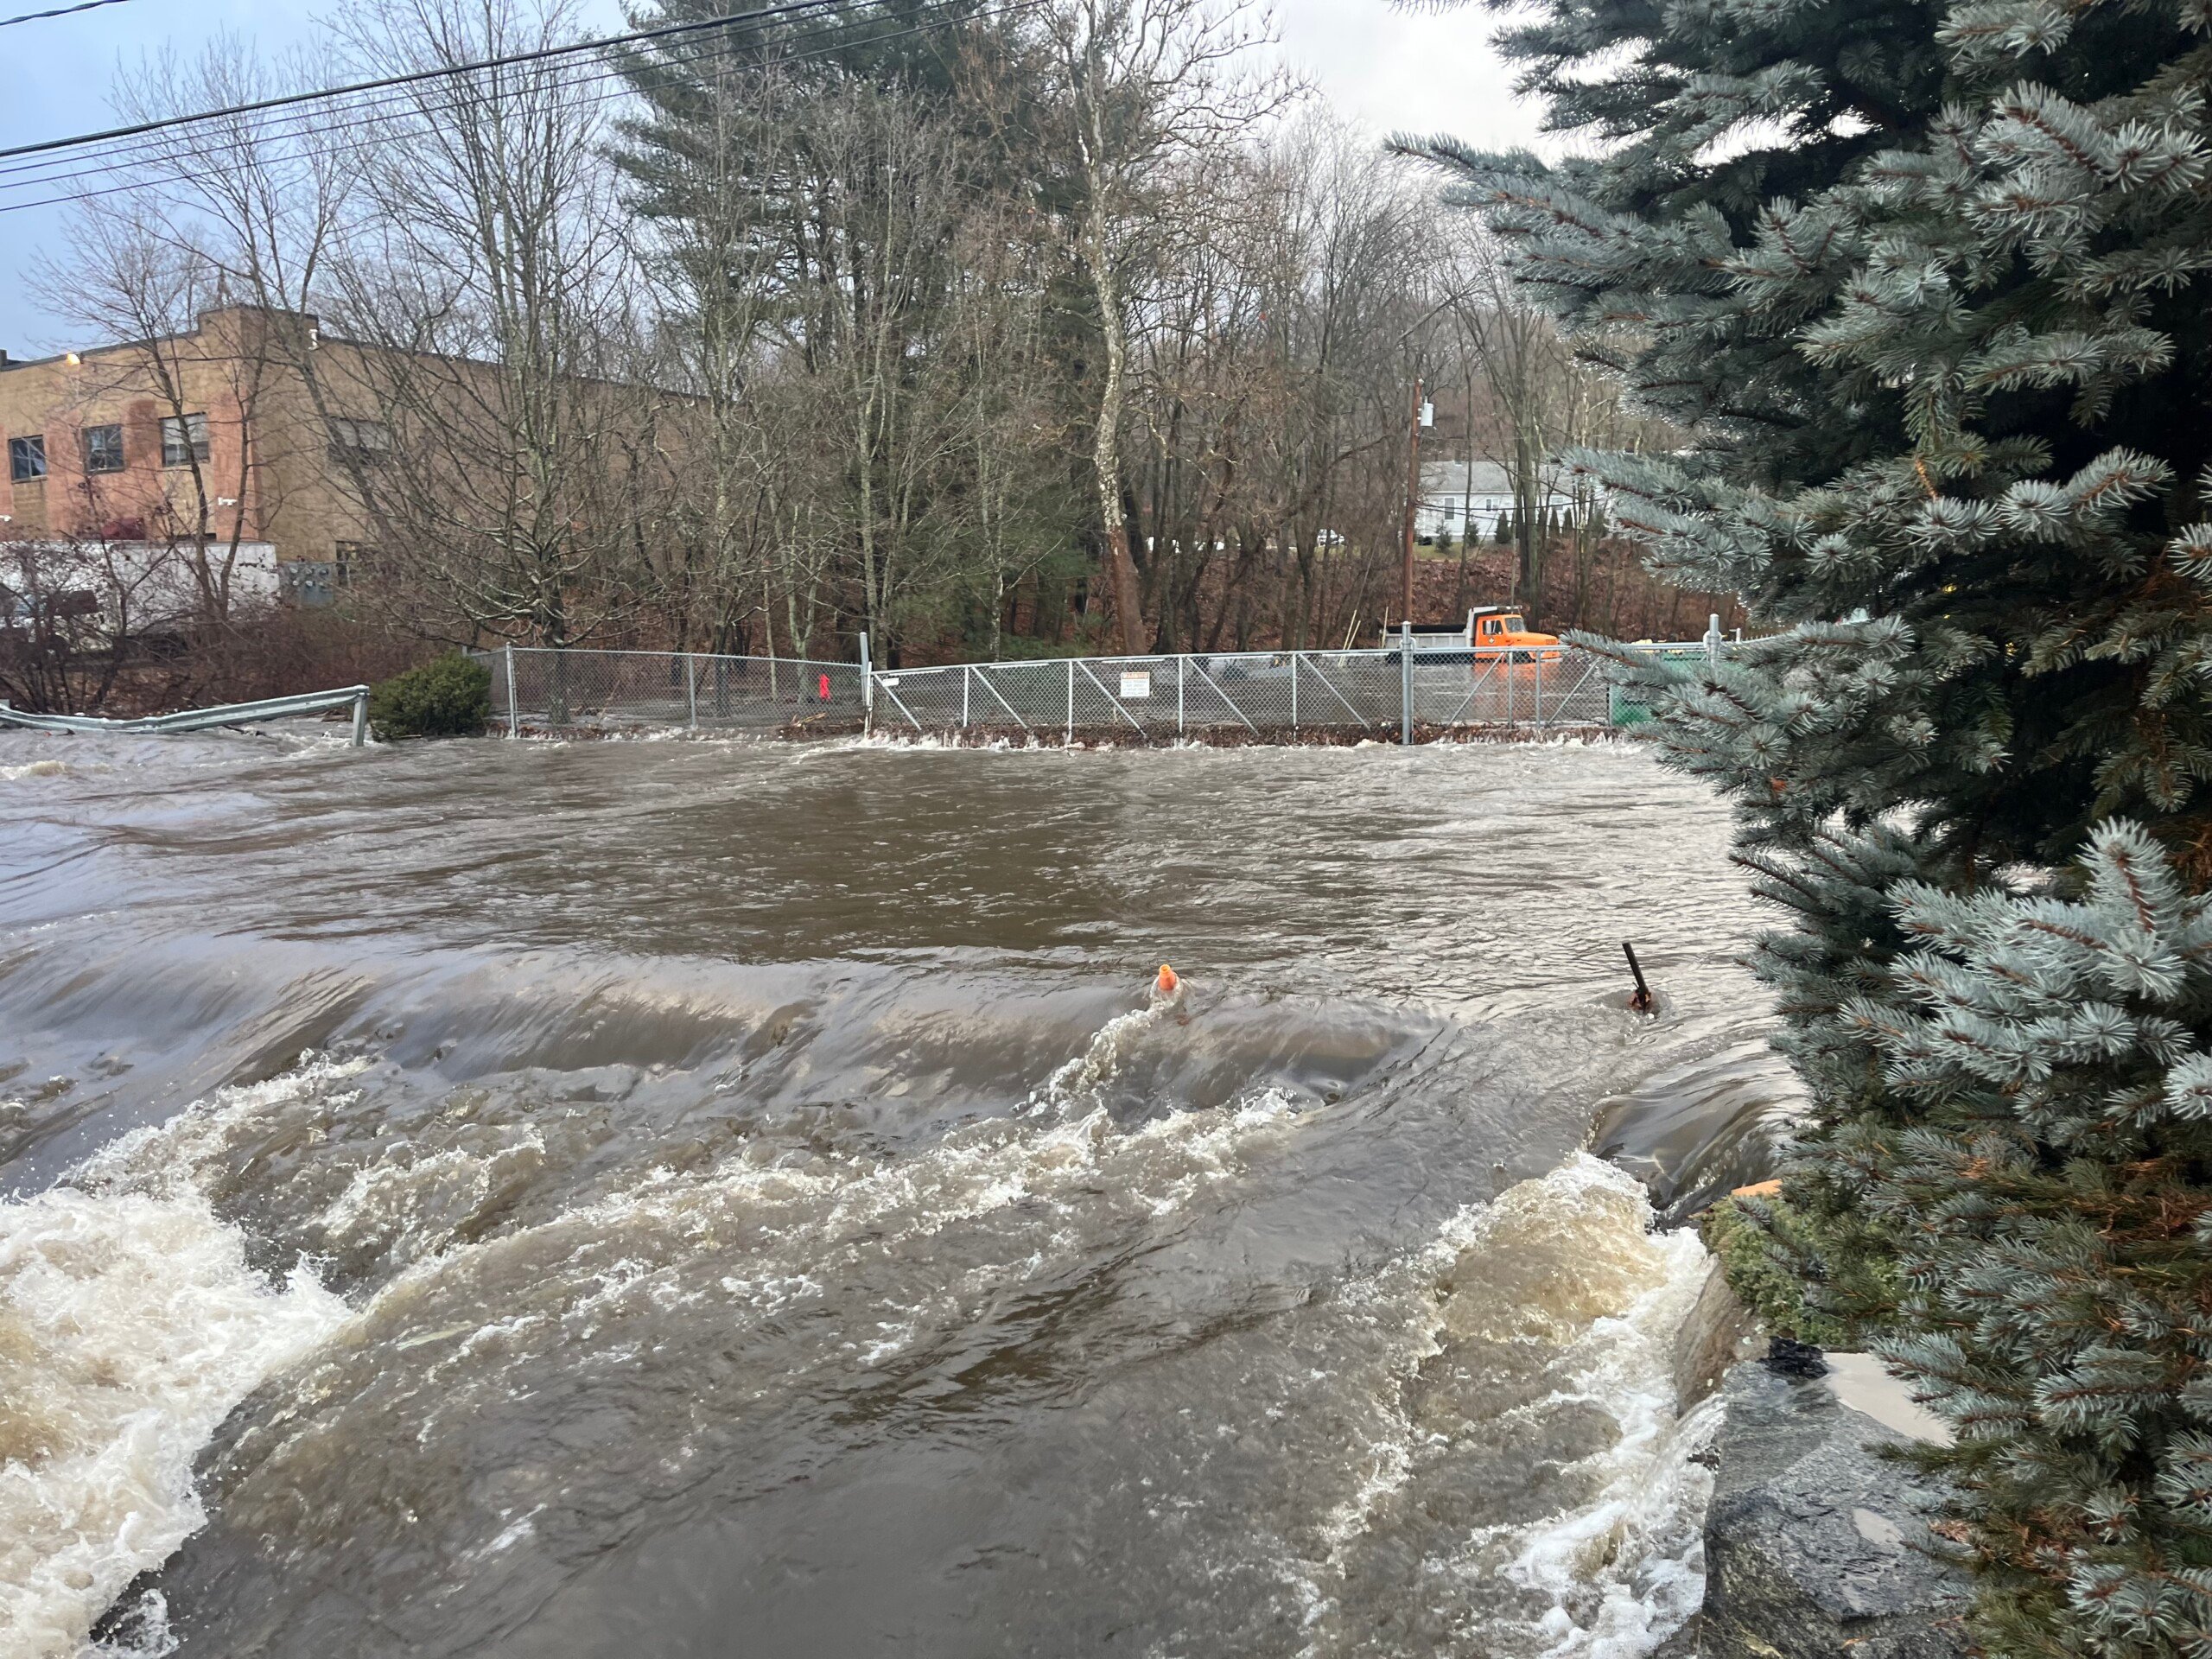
[[211, 433]]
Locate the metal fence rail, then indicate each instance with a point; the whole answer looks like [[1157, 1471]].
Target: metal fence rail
[[201, 720], [614, 690], [1252, 695]]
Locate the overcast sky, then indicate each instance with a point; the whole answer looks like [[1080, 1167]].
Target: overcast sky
[[1389, 69]]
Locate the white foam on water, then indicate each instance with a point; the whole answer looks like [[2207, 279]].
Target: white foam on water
[[174, 1156], [189, 1329], [1079, 1079], [408, 1200], [650, 1246], [1626, 1568], [1561, 1282], [130, 1325]]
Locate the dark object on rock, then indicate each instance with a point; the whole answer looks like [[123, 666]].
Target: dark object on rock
[[1786, 1357], [1814, 1547]]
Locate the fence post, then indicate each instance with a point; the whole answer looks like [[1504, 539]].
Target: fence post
[[967, 684], [360, 720], [1540, 691], [1712, 639], [1179, 663], [1071, 736], [1405, 682], [691, 688], [867, 690], [514, 718], [1293, 693]]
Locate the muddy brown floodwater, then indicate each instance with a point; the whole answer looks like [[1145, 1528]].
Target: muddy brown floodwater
[[701, 1199]]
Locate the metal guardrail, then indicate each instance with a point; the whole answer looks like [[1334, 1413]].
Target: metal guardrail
[[201, 720], [1161, 697]]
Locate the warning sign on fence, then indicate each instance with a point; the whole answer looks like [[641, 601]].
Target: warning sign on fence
[[1137, 683]]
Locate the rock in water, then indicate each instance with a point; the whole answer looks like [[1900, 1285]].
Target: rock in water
[[1814, 1547]]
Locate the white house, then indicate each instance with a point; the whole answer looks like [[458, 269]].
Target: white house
[[1455, 493]]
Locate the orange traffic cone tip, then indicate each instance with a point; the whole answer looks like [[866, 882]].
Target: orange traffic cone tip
[[1166, 983]]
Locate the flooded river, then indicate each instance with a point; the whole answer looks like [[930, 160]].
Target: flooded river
[[692, 1198]]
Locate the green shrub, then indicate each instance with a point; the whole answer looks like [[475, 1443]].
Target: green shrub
[[1744, 1233], [450, 697]]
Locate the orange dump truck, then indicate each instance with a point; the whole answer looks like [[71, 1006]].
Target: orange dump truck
[[1491, 633], [1494, 629]]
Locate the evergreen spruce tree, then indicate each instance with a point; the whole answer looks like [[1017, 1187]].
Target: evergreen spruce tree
[[1928, 288]]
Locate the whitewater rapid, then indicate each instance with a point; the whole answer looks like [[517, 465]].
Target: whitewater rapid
[[503, 1247]]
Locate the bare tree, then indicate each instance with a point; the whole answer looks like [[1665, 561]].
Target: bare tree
[[490, 278], [126, 278], [1144, 84]]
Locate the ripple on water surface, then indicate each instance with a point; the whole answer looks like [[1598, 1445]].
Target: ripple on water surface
[[740, 1195]]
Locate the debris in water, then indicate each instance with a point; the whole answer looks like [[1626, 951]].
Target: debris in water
[[1166, 987], [1641, 1001]]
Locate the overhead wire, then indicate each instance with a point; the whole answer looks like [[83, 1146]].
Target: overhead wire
[[58, 12], [297, 114], [1010, 8], [415, 77], [43, 174]]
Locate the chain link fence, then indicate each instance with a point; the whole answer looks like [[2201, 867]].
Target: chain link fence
[[1215, 696], [534, 688], [1258, 695]]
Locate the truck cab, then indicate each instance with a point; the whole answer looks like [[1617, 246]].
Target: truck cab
[[1493, 629]]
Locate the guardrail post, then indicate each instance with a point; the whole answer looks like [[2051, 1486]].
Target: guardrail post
[[1071, 736], [514, 717], [360, 720], [867, 690], [691, 688], [1405, 682]]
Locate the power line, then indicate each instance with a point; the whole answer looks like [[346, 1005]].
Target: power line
[[1012, 8], [59, 11], [374, 116], [539, 54], [55, 170], [151, 151]]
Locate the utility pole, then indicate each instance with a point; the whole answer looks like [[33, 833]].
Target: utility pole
[[1424, 415]]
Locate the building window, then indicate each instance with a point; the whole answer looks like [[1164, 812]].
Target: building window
[[352, 440], [352, 558], [26, 459], [102, 449], [183, 440]]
